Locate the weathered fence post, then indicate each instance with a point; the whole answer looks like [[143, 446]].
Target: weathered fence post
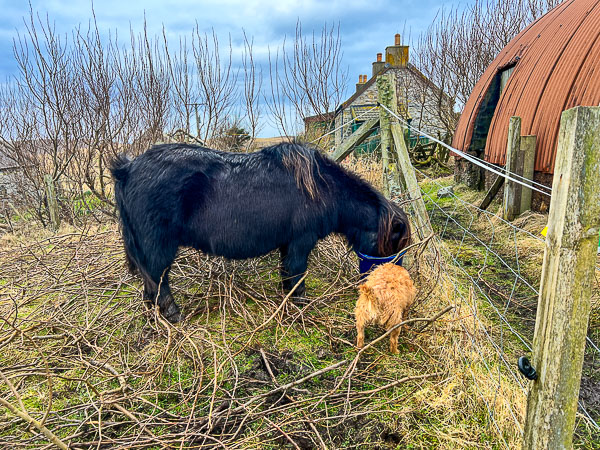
[[386, 95], [528, 152], [512, 199], [410, 183], [52, 203], [566, 284]]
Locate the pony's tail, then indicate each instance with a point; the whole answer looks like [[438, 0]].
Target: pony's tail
[[119, 168]]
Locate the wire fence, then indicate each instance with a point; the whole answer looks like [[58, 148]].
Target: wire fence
[[499, 273], [492, 268]]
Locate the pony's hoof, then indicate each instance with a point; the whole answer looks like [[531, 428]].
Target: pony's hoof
[[300, 301], [172, 314]]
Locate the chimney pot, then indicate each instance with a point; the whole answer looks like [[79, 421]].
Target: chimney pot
[[397, 39], [379, 55]]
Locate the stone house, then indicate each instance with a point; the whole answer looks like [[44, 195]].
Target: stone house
[[419, 99]]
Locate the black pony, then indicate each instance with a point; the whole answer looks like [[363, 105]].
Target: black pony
[[235, 205]]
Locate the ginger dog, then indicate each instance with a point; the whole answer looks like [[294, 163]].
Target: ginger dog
[[385, 298]]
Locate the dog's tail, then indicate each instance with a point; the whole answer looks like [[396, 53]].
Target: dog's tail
[[119, 168], [364, 289]]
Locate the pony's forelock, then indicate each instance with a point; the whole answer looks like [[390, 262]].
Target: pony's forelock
[[384, 233]]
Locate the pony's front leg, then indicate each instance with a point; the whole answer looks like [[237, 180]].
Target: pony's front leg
[[294, 262]]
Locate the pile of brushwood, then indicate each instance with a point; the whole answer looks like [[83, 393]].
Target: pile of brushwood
[[83, 362]]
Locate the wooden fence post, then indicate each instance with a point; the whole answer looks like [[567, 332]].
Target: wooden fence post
[[512, 199], [567, 276], [386, 95], [52, 203], [528, 152], [410, 183], [392, 137]]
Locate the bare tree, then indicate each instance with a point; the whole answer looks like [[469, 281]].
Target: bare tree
[[153, 86], [216, 80], [307, 78], [252, 89], [184, 88], [101, 120], [42, 132], [81, 98]]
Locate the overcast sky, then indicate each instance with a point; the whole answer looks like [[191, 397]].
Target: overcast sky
[[367, 26]]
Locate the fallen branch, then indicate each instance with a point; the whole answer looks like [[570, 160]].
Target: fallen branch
[[31, 421]]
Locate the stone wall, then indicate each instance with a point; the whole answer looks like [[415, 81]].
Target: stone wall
[[368, 97], [422, 99]]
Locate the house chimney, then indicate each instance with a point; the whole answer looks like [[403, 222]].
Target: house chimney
[[397, 55], [378, 65], [360, 83]]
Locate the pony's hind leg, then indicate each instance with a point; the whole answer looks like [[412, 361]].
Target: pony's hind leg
[[165, 301], [294, 262]]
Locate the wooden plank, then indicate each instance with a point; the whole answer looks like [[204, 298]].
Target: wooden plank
[[410, 183], [512, 199], [492, 192], [566, 285], [355, 139], [528, 144]]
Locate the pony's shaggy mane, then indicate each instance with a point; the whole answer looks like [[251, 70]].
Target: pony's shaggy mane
[[301, 161]]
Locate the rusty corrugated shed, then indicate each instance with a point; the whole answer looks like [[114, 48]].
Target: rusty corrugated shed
[[556, 67]]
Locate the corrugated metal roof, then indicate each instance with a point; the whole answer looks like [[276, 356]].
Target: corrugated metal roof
[[557, 67]]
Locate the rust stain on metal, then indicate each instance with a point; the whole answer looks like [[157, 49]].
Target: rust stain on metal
[[557, 67]]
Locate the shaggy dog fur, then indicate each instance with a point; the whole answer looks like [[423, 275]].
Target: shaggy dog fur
[[384, 298], [285, 197]]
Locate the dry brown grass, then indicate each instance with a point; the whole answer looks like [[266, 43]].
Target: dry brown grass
[[368, 167], [85, 359]]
